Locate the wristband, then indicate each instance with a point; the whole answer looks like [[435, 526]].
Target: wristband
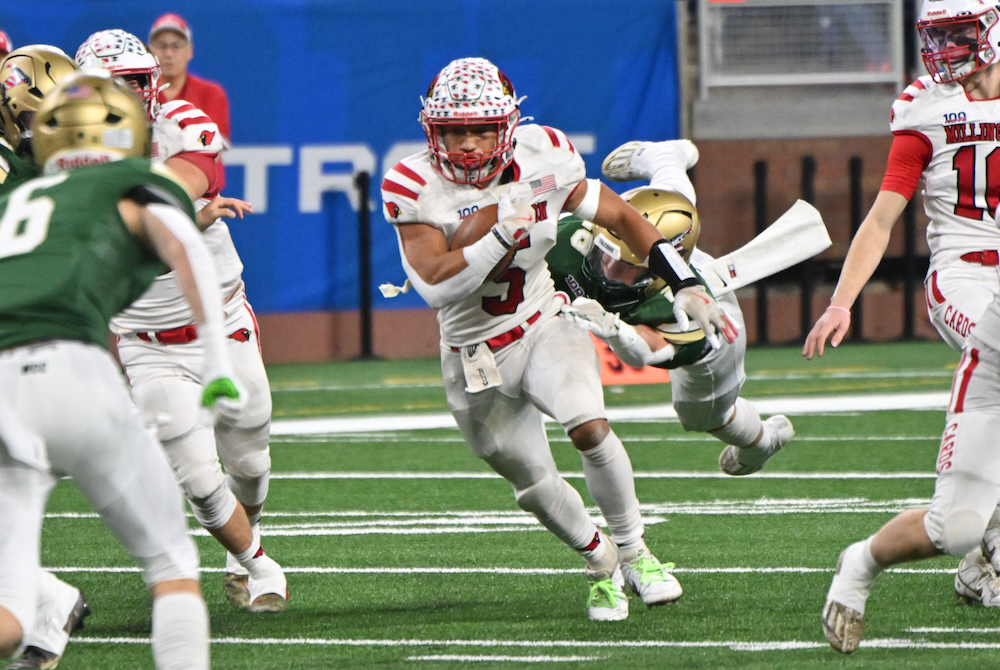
[[587, 209], [841, 309], [667, 264]]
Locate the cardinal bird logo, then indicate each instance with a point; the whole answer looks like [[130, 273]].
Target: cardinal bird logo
[[393, 209], [206, 137]]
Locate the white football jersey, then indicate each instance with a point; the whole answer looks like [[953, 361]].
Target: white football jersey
[[962, 180], [545, 170], [181, 127]]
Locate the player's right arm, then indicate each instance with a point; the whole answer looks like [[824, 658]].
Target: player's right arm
[[863, 257], [176, 240]]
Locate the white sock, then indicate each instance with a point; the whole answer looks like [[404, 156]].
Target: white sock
[[56, 600], [180, 632], [608, 472], [744, 428], [248, 557], [600, 555], [858, 572]]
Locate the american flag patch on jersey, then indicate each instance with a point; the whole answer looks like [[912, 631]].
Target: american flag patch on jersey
[[543, 185]]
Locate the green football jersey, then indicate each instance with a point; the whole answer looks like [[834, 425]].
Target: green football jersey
[[566, 260], [14, 169], [67, 261]]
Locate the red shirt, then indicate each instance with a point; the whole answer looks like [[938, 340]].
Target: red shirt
[[210, 98], [909, 156]]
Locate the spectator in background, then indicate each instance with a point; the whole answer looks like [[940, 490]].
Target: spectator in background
[[6, 46], [170, 41]]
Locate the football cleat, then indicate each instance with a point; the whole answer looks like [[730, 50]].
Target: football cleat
[[41, 659], [748, 460], [607, 600], [640, 160], [268, 590], [649, 579], [976, 582], [843, 627], [234, 582]]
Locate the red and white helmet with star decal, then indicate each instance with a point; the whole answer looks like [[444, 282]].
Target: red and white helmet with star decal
[[959, 37], [470, 92], [125, 56]]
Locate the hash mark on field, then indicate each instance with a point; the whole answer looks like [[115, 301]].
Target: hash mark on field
[[736, 645]]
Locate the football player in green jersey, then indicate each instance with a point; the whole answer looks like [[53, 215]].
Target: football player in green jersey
[[27, 75], [618, 300], [77, 245]]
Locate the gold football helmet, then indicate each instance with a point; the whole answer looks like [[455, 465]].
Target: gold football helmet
[[90, 118], [27, 75], [617, 270]]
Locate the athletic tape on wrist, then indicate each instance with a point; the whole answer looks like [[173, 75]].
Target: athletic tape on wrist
[[483, 254], [587, 209]]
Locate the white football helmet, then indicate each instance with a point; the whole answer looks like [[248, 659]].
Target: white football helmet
[[125, 56], [959, 37], [470, 91]]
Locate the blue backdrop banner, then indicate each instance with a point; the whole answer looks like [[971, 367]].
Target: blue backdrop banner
[[322, 90]]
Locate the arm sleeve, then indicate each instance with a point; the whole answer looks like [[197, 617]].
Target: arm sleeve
[[909, 156], [206, 163], [481, 256]]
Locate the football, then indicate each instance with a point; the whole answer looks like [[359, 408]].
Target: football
[[472, 228]]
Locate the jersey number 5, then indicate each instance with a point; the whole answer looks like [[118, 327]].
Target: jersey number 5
[[965, 165], [25, 222]]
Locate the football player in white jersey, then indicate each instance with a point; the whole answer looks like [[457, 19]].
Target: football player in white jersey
[[945, 131], [157, 344], [705, 383], [505, 358]]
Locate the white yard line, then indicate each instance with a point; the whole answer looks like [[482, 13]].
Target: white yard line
[[936, 400], [736, 645], [534, 572], [579, 475]]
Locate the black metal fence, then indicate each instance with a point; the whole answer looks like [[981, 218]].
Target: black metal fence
[[909, 269]]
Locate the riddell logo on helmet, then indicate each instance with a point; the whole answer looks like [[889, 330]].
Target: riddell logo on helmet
[[80, 160], [938, 12]]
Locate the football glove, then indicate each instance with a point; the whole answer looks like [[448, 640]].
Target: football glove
[[225, 398], [623, 338], [696, 302], [514, 220]]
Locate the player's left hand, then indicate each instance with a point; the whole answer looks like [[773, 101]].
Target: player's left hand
[[591, 316], [696, 302], [221, 207], [225, 397]]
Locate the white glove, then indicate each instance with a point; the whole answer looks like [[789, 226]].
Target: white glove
[[514, 219], [623, 338], [591, 316], [696, 302]]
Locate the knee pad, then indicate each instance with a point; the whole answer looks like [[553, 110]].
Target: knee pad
[[247, 459], [958, 534], [215, 509]]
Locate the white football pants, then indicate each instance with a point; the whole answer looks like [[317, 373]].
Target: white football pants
[[552, 369], [66, 403]]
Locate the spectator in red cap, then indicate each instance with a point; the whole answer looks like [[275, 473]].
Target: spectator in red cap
[[6, 46], [170, 41]]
